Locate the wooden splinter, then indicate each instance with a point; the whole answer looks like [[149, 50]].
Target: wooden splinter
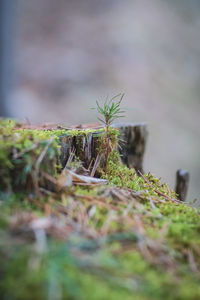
[[182, 182]]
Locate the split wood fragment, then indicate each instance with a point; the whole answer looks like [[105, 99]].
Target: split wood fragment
[[68, 177]]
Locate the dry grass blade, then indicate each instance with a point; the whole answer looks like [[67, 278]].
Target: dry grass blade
[[157, 191], [71, 156], [96, 164]]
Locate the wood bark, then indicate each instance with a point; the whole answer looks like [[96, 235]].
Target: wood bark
[[132, 144], [84, 147], [182, 182]]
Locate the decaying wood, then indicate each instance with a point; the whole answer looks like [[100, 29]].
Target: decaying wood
[[182, 182], [132, 144], [67, 177], [86, 148], [66, 148]]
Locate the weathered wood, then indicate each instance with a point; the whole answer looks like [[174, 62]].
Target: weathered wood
[[182, 182], [66, 142], [132, 144], [84, 147]]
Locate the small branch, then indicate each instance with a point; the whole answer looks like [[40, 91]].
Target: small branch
[[157, 191], [96, 164], [71, 156]]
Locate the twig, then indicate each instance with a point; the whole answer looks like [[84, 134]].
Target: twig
[[17, 155], [96, 164], [71, 156], [98, 201], [192, 262], [42, 155], [157, 191], [90, 165], [49, 177], [37, 166], [45, 191]]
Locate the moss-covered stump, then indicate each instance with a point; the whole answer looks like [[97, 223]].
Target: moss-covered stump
[[27, 154], [82, 144], [132, 239], [23, 155]]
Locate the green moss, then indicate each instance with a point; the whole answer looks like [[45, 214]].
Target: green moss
[[141, 246], [45, 134], [20, 151], [19, 157], [99, 276], [120, 175]]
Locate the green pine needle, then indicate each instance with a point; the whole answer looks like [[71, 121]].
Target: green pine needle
[[110, 110]]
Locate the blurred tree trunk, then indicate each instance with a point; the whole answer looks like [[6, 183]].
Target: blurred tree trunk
[[7, 19]]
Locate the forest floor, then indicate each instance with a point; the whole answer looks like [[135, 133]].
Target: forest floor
[[65, 234]]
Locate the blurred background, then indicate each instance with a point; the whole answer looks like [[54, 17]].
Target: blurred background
[[58, 57]]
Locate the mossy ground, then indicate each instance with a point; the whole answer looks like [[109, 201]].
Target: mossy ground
[[121, 241]]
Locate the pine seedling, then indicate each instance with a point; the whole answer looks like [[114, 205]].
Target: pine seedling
[[109, 112]]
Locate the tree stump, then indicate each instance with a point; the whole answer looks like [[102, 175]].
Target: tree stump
[[132, 144], [82, 146]]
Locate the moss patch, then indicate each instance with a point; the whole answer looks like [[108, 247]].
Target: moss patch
[[130, 239]]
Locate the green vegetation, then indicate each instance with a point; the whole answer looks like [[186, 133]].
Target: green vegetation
[[109, 112], [130, 239]]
